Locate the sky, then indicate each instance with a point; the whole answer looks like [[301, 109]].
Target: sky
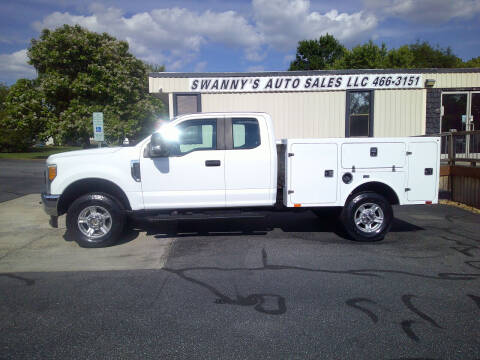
[[237, 35]]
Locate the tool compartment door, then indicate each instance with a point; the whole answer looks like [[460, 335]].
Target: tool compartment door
[[313, 173], [373, 155], [423, 171]]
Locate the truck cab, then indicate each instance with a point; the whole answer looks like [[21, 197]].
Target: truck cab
[[210, 161]]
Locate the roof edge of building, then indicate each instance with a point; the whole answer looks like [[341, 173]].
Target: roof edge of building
[[311, 72]]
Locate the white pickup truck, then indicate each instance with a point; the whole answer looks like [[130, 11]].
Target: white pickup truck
[[199, 164]]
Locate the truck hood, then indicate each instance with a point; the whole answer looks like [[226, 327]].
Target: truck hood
[[88, 152]]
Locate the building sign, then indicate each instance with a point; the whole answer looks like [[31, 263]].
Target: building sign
[[98, 126], [306, 83]]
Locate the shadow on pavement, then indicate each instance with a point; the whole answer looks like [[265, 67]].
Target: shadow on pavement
[[130, 234], [305, 222]]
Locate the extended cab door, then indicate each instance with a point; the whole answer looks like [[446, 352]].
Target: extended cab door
[[193, 175], [248, 163]]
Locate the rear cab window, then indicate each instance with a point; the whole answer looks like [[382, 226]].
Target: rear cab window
[[245, 133]]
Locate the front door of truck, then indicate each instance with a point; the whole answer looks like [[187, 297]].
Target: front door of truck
[[192, 175]]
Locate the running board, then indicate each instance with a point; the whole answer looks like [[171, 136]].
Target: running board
[[204, 216]]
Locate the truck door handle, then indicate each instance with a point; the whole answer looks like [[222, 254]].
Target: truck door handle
[[428, 171], [212, 162], [328, 173]]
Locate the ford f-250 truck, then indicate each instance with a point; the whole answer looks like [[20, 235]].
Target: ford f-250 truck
[[201, 163]]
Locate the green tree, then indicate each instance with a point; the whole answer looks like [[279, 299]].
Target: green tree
[[329, 53], [80, 72], [317, 54], [26, 116], [3, 100], [425, 56], [473, 63], [365, 56], [3, 95], [401, 58], [5, 135], [154, 67]]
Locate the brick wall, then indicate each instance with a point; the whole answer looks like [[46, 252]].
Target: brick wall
[[434, 102]]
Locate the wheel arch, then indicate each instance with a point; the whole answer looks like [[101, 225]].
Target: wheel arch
[[379, 188], [85, 186]]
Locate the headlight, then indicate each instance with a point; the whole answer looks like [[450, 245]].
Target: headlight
[[52, 172]]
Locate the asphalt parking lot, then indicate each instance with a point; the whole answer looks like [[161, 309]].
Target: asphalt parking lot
[[20, 177], [289, 287]]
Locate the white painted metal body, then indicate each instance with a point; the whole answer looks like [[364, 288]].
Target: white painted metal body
[[399, 163], [111, 164], [248, 177]]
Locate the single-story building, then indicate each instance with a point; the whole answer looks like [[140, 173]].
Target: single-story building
[[337, 103]]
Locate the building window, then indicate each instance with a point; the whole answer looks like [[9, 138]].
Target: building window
[[246, 133], [186, 103], [359, 114]]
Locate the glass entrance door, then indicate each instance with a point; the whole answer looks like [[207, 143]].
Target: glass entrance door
[[475, 111], [454, 111], [461, 112], [474, 124]]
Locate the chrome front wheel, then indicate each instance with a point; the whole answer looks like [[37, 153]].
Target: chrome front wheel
[[94, 222]]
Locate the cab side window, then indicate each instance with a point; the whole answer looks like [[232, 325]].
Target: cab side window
[[196, 135], [246, 133]]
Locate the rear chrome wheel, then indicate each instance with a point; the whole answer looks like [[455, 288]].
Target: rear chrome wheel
[[367, 216]]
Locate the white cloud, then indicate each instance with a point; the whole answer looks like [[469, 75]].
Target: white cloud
[[283, 23], [172, 36], [14, 66], [431, 11], [175, 36]]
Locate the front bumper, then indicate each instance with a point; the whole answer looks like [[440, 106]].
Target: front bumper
[[50, 203]]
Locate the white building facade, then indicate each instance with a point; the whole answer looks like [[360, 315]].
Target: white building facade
[[340, 103]]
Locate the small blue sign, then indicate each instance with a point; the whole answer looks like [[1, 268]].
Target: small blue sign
[[98, 126]]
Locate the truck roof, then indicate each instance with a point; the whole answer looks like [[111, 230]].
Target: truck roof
[[223, 113]]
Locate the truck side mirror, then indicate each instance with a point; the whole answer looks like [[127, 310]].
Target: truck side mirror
[[158, 147]]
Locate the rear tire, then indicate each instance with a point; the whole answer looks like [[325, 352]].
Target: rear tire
[[367, 217], [95, 220]]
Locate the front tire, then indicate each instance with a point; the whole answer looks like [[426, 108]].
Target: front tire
[[367, 217], [95, 220]]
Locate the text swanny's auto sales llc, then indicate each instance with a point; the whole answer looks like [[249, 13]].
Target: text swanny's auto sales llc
[[306, 83]]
